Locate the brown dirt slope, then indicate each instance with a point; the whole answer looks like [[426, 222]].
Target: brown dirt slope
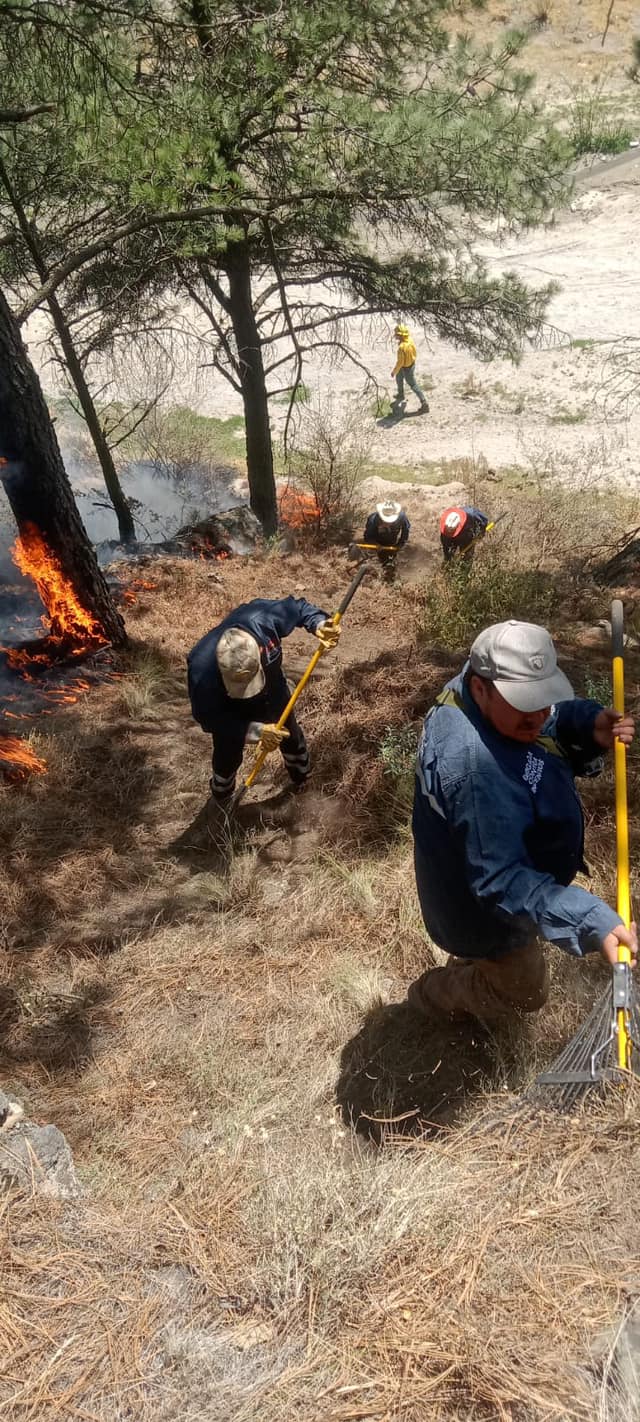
[[205, 1021]]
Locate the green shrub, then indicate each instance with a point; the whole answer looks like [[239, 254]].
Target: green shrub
[[597, 688], [397, 751], [592, 130], [564, 416], [302, 395], [460, 600]]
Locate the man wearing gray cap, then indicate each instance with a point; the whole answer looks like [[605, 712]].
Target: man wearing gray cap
[[238, 689], [499, 830]]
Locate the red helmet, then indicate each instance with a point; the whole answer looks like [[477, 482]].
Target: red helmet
[[452, 522]]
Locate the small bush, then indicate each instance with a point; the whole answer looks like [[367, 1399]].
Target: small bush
[[592, 131], [540, 18], [459, 601], [470, 388], [397, 751], [301, 395], [597, 688], [328, 457], [564, 416]]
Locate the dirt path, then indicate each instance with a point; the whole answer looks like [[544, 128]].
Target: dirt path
[[569, 409]]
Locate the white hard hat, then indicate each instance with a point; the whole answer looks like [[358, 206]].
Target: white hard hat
[[388, 511]]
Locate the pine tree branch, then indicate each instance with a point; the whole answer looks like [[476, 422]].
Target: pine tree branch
[[608, 22], [291, 328], [115, 235], [8, 116], [214, 287], [215, 325]]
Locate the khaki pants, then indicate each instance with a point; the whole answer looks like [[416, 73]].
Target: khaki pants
[[489, 988]]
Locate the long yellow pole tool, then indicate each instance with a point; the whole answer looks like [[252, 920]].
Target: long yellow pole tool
[[488, 529], [622, 996], [261, 753]]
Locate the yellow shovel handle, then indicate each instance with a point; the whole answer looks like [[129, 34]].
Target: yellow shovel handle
[[379, 547], [623, 902], [308, 672]]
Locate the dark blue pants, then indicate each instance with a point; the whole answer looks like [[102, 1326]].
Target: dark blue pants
[[228, 744]]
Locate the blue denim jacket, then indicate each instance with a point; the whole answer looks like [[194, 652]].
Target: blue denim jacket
[[499, 831], [268, 620]]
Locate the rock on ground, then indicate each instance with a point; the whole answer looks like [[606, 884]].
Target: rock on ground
[[38, 1159]]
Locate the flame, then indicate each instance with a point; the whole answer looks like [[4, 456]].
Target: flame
[[136, 585], [298, 509], [66, 620], [18, 759], [207, 549]]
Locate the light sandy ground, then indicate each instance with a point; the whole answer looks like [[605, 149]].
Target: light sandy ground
[[566, 411]]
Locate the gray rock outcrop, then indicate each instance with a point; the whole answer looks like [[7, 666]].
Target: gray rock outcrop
[[34, 1158]]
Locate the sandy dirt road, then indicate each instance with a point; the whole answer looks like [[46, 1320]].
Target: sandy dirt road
[[569, 409]]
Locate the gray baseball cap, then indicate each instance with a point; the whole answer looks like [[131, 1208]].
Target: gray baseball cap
[[520, 659], [238, 657]]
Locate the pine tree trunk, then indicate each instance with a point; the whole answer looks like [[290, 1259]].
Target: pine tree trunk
[[35, 480], [114, 488], [262, 487], [126, 527]]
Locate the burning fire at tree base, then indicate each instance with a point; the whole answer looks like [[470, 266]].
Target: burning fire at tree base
[[40, 681], [70, 633]]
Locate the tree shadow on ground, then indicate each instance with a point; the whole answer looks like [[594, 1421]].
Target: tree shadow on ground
[[402, 1075]]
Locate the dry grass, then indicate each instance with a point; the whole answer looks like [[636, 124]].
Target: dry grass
[[209, 1027]]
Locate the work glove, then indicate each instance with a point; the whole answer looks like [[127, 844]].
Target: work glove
[[328, 633], [271, 736]]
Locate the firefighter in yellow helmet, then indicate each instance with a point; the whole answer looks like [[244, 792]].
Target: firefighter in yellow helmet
[[405, 369]]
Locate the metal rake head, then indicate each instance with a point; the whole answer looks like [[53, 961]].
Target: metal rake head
[[589, 1061]]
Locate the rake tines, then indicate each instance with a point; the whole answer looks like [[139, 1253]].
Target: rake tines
[[589, 1061], [606, 1048]]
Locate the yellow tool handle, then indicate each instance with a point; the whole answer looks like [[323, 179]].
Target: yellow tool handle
[[482, 532], [623, 902], [309, 670], [380, 547]]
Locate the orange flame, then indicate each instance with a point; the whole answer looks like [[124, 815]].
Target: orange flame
[[136, 585], [298, 509], [18, 759], [206, 549], [66, 620]]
